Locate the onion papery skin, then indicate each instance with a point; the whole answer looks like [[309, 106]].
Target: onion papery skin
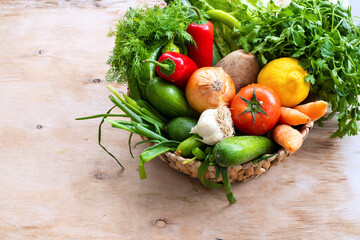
[[208, 87]]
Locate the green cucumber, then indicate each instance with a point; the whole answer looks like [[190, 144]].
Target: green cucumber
[[234, 151], [168, 99], [185, 147], [179, 128]]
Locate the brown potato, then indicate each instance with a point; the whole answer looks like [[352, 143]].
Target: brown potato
[[241, 67]]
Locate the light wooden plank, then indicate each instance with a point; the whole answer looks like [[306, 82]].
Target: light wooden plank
[[56, 183]]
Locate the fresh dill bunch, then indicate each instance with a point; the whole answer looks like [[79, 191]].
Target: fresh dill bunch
[[139, 30]]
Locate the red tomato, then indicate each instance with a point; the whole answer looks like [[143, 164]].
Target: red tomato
[[259, 101]]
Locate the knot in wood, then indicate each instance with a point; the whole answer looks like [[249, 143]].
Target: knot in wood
[[160, 223], [99, 175]]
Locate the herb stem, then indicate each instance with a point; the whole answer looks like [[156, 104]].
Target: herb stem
[[144, 104], [318, 10], [114, 91], [189, 161], [352, 61], [149, 155], [122, 126], [355, 88], [333, 18], [131, 101], [148, 133], [125, 109], [101, 115], [131, 105], [153, 116], [129, 144], [153, 121], [338, 24], [99, 138], [153, 153], [227, 185], [124, 122], [142, 172]]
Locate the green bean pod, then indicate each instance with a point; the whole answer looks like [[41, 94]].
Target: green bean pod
[[225, 18]]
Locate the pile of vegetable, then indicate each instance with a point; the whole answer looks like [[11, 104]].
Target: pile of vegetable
[[226, 83]]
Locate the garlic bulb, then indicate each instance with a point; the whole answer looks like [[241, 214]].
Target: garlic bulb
[[214, 125]]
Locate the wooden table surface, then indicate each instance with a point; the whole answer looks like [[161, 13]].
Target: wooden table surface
[[57, 183]]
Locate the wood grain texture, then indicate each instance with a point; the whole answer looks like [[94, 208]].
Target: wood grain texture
[[56, 183]]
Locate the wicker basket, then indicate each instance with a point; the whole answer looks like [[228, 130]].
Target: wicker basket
[[240, 173]]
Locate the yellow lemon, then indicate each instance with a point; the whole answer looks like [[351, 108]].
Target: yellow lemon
[[287, 78]]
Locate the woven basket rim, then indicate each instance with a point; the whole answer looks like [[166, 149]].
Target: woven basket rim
[[243, 172]]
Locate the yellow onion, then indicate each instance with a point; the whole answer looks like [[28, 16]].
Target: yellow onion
[[208, 87]]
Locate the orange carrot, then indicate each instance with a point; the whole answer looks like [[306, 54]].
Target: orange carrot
[[291, 116], [287, 137], [314, 110]]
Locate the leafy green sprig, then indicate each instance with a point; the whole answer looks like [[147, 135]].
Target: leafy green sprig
[[139, 30], [145, 121], [324, 38]]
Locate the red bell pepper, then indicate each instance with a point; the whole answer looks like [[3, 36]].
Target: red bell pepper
[[175, 67], [203, 33]]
